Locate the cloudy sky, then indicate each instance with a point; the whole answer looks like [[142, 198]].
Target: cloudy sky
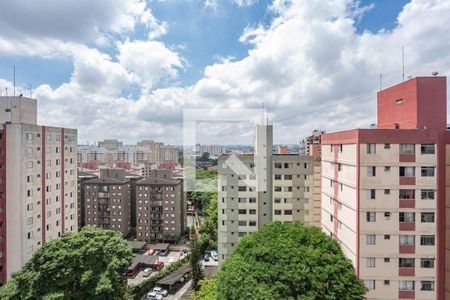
[[126, 69]]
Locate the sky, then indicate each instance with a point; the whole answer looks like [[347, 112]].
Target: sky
[[128, 69]]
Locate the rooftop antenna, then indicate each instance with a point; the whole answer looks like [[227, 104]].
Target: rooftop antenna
[[403, 63], [14, 79], [29, 88], [381, 81], [434, 73]]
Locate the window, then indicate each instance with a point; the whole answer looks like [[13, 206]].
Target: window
[[29, 136], [387, 260], [287, 177], [407, 171], [427, 263], [371, 149], [427, 217], [406, 263], [427, 149], [339, 167], [370, 262], [387, 215], [399, 101], [407, 240], [387, 282], [242, 200], [277, 212], [242, 223], [370, 239], [30, 178], [387, 146], [340, 148], [371, 194], [370, 284], [371, 171], [29, 193], [371, 217], [427, 171], [252, 200], [278, 166], [387, 236], [242, 211], [427, 285], [29, 206], [407, 217], [49, 137], [242, 188], [331, 218], [406, 194], [29, 164], [288, 212], [252, 211], [277, 176], [406, 285], [407, 148], [288, 189], [427, 240], [427, 194], [252, 223], [277, 200], [277, 188], [387, 168], [387, 192]]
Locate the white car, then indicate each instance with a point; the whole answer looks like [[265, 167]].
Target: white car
[[160, 291], [154, 296], [147, 272]]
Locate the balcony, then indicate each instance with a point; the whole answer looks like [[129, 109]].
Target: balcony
[[407, 158], [406, 271], [407, 226], [407, 249], [407, 203], [406, 295], [407, 180]]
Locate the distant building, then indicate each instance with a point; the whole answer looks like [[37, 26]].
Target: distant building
[[38, 187], [282, 150], [110, 144], [213, 150]]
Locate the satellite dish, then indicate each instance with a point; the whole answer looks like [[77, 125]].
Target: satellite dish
[[435, 73]]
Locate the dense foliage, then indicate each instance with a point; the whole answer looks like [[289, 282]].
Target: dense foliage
[[288, 261], [194, 262], [208, 290], [208, 229], [84, 265]]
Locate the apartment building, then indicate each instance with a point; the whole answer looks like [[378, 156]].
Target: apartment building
[[160, 209], [256, 189], [107, 204], [38, 187], [385, 191], [82, 178]]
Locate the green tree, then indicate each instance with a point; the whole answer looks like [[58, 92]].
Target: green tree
[[208, 290], [288, 261], [84, 265], [194, 262]]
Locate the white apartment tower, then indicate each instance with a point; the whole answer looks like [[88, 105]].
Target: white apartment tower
[[256, 189], [38, 189]]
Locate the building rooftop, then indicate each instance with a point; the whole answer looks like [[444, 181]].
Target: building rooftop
[[106, 180], [157, 181]]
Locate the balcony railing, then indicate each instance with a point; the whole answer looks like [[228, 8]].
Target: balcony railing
[[407, 203], [407, 226], [407, 180], [406, 271]]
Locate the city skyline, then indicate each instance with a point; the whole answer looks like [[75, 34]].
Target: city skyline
[[131, 70]]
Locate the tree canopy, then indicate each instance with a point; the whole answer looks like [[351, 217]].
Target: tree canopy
[[84, 265], [288, 261]]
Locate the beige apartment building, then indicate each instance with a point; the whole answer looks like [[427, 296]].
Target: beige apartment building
[[271, 187], [38, 183], [160, 208], [107, 204], [384, 193]]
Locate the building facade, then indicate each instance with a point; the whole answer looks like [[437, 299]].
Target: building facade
[[38, 186], [384, 193], [160, 209], [256, 189], [107, 204]]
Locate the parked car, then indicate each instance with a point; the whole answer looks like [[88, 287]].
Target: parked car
[[147, 272], [206, 257], [159, 265], [160, 291], [154, 296], [214, 255]]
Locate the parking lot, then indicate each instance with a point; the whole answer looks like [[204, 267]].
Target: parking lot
[[168, 259]]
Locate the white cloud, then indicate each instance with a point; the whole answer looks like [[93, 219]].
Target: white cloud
[[151, 61], [244, 3], [309, 66]]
